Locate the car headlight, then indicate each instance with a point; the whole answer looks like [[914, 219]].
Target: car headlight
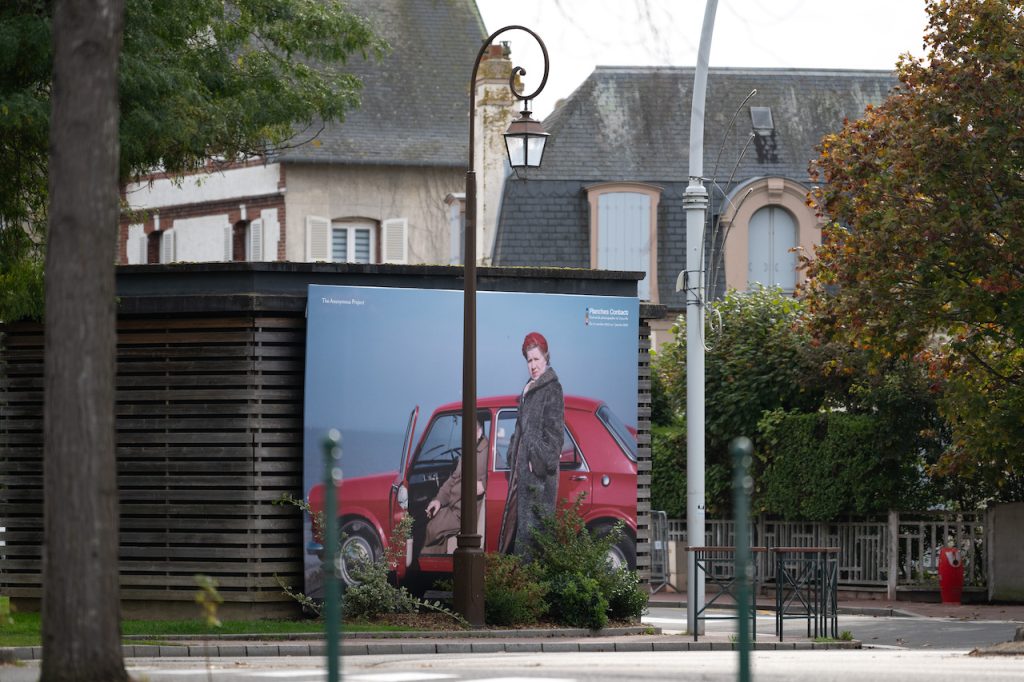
[[403, 497]]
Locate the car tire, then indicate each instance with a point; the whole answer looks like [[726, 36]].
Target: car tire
[[358, 543], [623, 553]]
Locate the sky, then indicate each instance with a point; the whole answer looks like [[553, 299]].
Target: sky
[[373, 354], [582, 34]]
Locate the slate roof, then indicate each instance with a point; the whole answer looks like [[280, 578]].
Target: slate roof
[[633, 124], [415, 101]]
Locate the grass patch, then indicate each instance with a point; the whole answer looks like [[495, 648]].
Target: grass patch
[[26, 628]]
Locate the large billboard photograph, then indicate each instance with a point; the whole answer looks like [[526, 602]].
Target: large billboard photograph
[[556, 419]]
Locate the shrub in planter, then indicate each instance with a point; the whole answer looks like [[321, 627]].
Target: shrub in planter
[[513, 593], [577, 600], [574, 563]]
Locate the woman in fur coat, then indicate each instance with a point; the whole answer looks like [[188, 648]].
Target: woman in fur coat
[[534, 451]]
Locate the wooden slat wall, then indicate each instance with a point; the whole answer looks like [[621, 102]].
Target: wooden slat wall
[[209, 436], [21, 459], [643, 482]]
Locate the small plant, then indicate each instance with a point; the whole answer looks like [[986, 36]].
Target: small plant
[[846, 636], [209, 599], [5, 611], [626, 599], [513, 593]]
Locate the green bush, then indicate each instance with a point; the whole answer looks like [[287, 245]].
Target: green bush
[[668, 470], [374, 596], [513, 593], [577, 600], [574, 563], [831, 464]]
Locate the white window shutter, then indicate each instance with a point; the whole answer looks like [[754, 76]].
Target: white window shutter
[[135, 248], [167, 249], [395, 244], [271, 233], [142, 246], [229, 243], [254, 246], [318, 239]]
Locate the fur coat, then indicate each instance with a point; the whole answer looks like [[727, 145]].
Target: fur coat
[[533, 454]]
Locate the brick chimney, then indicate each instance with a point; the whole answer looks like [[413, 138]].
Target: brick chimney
[[495, 109]]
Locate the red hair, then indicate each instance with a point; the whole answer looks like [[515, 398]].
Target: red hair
[[535, 340]]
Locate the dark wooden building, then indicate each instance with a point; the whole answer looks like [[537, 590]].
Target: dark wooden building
[[209, 410]]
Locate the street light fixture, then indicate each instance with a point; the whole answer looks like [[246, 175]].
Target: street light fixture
[[525, 143], [524, 140]]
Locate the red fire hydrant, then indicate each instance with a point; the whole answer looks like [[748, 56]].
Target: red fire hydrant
[[951, 575]]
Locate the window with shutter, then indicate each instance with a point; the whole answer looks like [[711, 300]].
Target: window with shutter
[[623, 229], [353, 241], [771, 239]]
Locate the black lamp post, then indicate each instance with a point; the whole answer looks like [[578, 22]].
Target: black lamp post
[[524, 140]]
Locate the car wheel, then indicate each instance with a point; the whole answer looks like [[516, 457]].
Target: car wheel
[[359, 545], [623, 553]]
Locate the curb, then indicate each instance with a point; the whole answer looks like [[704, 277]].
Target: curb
[[418, 634], [427, 648], [879, 611]]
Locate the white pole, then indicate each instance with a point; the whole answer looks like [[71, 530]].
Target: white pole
[[696, 203]]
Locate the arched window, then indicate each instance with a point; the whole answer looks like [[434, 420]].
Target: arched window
[[771, 260]]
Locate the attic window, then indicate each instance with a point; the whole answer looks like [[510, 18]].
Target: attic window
[[761, 120]]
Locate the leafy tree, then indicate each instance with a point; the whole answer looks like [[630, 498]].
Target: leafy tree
[[755, 363], [201, 82], [926, 254], [764, 360], [81, 601]]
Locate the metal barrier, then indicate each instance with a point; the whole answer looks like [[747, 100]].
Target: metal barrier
[[659, 551]]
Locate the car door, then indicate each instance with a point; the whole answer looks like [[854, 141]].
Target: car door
[[573, 479]]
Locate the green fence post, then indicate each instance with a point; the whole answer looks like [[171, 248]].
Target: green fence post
[[332, 591], [742, 451]]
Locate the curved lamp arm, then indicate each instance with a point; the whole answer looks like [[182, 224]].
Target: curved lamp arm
[[517, 72]]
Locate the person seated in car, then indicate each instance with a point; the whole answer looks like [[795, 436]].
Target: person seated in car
[[444, 512]]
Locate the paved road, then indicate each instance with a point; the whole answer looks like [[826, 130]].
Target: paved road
[[913, 633], [877, 665]]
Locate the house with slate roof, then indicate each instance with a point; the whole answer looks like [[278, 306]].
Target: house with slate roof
[[609, 194], [370, 189]]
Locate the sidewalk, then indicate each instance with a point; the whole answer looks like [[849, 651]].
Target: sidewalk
[[880, 607], [639, 638]]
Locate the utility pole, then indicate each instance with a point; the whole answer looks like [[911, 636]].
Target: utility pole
[[696, 204]]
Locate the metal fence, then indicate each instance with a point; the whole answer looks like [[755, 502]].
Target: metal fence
[[901, 550]]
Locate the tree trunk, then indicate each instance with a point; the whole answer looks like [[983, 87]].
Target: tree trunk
[[81, 605]]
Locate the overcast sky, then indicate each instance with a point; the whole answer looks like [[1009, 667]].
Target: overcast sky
[[581, 34]]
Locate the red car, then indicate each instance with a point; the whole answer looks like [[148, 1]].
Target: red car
[[598, 459]]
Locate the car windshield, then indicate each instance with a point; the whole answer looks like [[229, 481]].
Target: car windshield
[[622, 434], [444, 440]]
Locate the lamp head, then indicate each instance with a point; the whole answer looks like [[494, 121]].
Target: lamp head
[[525, 140]]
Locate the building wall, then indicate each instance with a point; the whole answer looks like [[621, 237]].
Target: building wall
[[377, 193]]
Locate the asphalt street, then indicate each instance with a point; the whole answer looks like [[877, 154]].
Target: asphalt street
[[873, 665]]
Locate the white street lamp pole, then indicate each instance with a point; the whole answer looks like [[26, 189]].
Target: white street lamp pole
[[696, 203]]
